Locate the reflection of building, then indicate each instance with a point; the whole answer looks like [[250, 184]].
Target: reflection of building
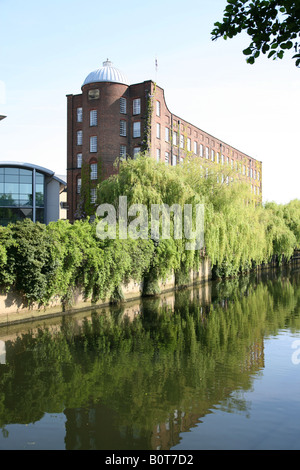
[[112, 119], [31, 191]]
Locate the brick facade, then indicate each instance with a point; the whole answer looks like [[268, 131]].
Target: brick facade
[[181, 139]]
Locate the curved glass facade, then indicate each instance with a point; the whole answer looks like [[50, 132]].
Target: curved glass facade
[[22, 194]]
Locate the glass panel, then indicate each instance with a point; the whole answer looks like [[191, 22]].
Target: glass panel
[[25, 172], [12, 171], [39, 199], [39, 188], [25, 188], [9, 200], [25, 200], [2, 171], [11, 188], [1, 178], [39, 215], [11, 178], [39, 177], [26, 179], [1, 188], [12, 215]]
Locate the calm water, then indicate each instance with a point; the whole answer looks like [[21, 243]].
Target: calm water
[[212, 367]]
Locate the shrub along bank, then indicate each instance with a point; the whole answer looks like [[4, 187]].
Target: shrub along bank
[[41, 261]]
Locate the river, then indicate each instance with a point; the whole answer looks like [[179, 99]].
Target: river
[[215, 366]]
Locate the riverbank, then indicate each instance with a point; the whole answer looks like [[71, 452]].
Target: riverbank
[[13, 310]]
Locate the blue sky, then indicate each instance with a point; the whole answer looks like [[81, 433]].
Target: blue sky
[[48, 48]]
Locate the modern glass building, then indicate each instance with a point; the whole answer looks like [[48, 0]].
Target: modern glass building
[[28, 190]]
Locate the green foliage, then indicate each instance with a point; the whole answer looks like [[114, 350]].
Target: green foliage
[[273, 25], [42, 261]]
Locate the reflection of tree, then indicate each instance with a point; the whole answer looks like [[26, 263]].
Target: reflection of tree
[[39, 199], [7, 200], [163, 367]]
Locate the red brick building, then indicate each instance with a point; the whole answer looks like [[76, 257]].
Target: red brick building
[[112, 119]]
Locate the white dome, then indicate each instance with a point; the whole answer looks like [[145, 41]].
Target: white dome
[[107, 73]]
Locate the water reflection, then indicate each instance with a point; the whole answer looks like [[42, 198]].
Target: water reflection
[[136, 376]]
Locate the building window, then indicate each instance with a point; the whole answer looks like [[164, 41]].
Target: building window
[[158, 155], [123, 152], [79, 160], [123, 128], [157, 108], [207, 152], [93, 195], [195, 147], [158, 130], [136, 106], [123, 105], [212, 155], [258, 175], [136, 151], [93, 117], [79, 137], [94, 172], [167, 158], [222, 159], [78, 185], [174, 138], [93, 144], [79, 114], [174, 160], [218, 157], [189, 144], [136, 129], [201, 150], [167, 134], [181, 141]]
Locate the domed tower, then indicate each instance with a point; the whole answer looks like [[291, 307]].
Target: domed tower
[[98, 134]]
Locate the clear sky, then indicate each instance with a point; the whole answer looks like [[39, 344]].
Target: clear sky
[[48, 48]]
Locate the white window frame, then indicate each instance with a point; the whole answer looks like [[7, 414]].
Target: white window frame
[[136, 132], [79, 114], [93, 144], [94, 171], [158, 155], [93, 195], [167, 134], [189, 144], [78, 189], [136, 151], [181, 141], [79, 160], [195, 147], [123, 128], [93, 117], [79, 137], [157, 108], [174, 138], [123, 105], [158, 130], [123, 152], [136, 106]]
